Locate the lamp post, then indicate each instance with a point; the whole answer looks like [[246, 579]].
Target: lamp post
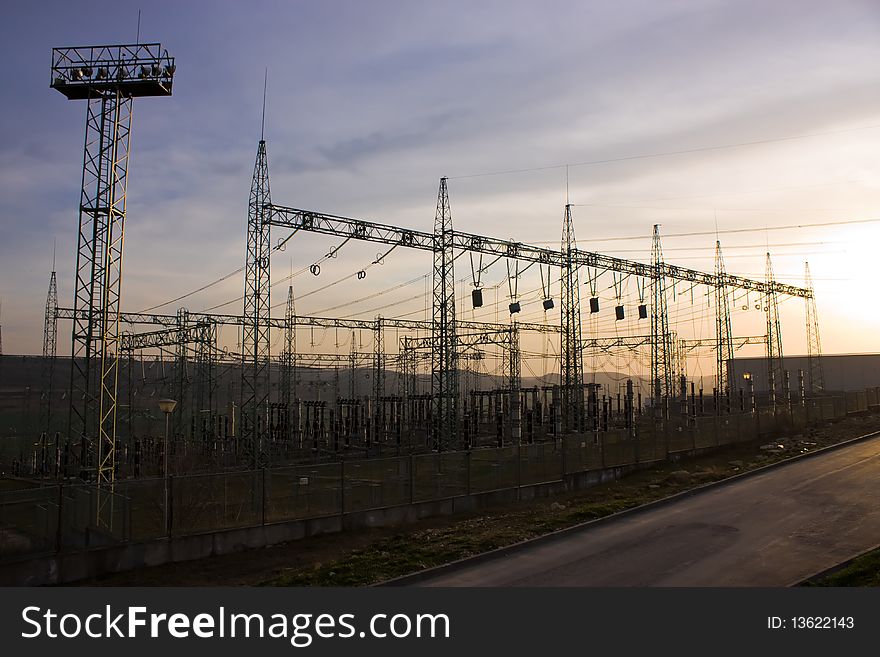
[[167, 406]]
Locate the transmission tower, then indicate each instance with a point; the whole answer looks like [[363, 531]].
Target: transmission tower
[[181, 390], [108, 78], [378, 376], [352, 368], [288, 383], [572, 364], [50, 346], [723, 332], [515, 383], [409, 368], [775, 369], [661, 344], [444, 377], [814, 345], [255, 332], [206, 377]]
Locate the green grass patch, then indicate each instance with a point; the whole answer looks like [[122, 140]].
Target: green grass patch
[[863, 571]]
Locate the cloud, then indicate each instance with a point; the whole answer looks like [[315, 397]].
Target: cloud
[[370, 103]]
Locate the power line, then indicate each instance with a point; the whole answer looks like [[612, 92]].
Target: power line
[[685, 151], [821, 224], [196, 291]]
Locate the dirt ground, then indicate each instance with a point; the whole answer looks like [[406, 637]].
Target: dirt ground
[[372, 555]]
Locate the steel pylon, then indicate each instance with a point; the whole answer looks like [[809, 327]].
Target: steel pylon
[[288, 383], [816, 372], [775, 367], [571, 357], [444, 375], [50, 347], [723, 332], [255, 332], [662, 357]]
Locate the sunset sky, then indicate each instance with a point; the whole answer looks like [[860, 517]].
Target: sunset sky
[[698, 116]]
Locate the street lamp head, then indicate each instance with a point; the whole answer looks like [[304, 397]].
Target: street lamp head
[[167, 405]]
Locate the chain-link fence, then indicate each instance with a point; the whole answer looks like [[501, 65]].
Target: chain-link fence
[[67, 517]]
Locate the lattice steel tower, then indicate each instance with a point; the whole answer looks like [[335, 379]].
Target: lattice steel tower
[[814, 345], [108, 78], [723, 332], [379, 359], [288, 383], [775, 368], [444, 375], [662, 378], [571, 360], [50, 346], [255, 332]]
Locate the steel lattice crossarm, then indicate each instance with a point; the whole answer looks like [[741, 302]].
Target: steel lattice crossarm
[[170, 337], [627, 341], [304, 360], [142, 69], [318, 322], [328, 224], [737, 342], [499, 336], [636, 341]]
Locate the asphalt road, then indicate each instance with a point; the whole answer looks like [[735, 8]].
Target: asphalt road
[[772, 529]]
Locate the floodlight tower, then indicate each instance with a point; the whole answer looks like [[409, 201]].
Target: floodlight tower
[[108, 78]]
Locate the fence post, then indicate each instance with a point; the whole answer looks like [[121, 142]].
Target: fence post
[[58, 524], [263, 496], [412, 480], [169, 502], [342, 487], [562, 442], [468, 457], [518, 471]]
